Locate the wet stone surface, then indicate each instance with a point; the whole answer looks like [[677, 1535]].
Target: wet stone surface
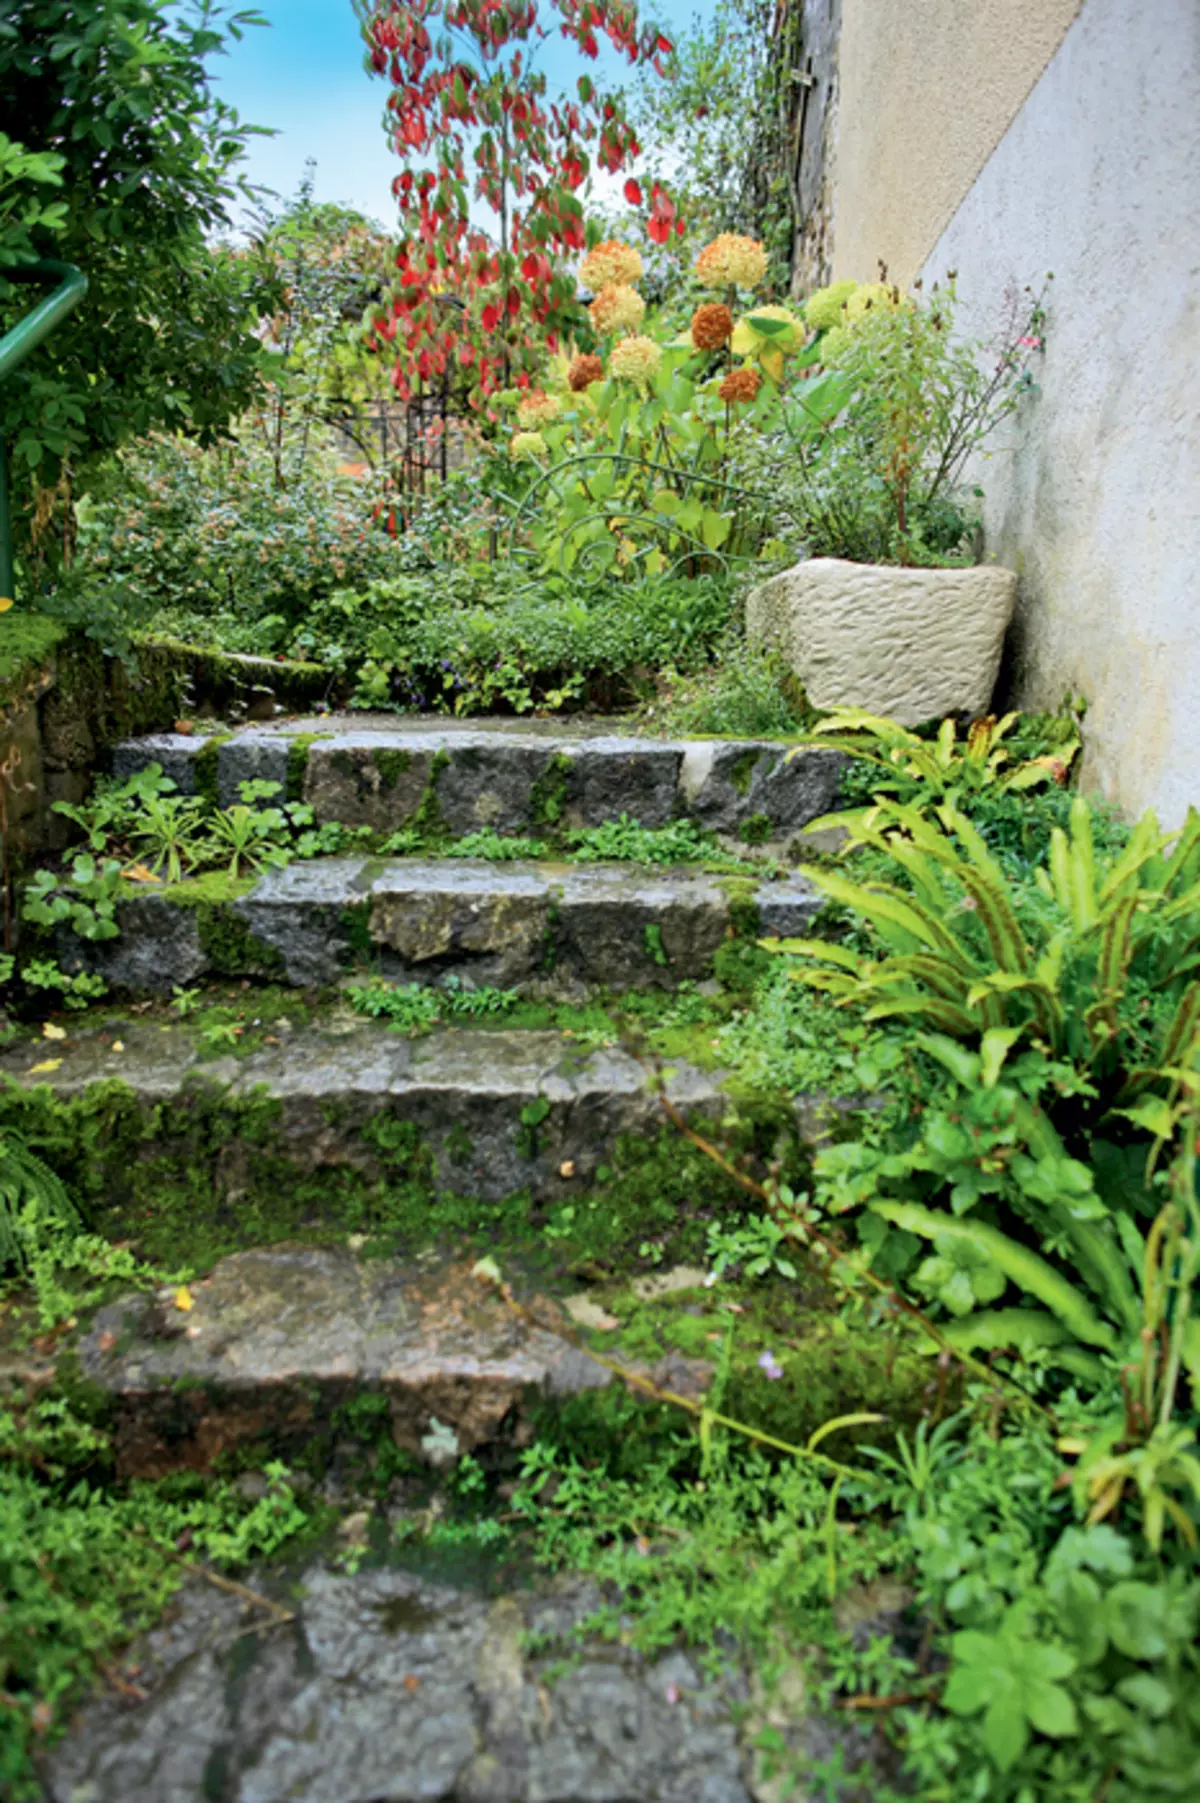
[[275, 1341], [388, 1687]]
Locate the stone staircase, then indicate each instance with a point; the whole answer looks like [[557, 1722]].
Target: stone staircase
[[332, 1130]]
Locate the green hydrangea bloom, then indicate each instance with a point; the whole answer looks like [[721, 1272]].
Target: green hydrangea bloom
[[834, 345], [823, 309]]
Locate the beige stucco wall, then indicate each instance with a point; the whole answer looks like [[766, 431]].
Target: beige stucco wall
[[927, 88], [1093, 493]]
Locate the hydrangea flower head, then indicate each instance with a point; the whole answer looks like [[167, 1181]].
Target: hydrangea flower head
[[823, 309], [538, 409], [712, 326], [583, 372], [740, 385], [871, 295], [527, 444], [732, 261], [637, 359], [617, 308], [610, 265]]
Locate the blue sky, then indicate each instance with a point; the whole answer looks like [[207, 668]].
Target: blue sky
[[305, 77]]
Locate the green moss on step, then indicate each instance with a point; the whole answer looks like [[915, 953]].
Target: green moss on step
[[742, 773], [356, 925], [204, 768], [297, 763], [391, 765], [426, 818], [757, 830], [548, 796]]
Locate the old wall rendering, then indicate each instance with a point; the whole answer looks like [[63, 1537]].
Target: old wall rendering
[[1095, 498], [926, 90]]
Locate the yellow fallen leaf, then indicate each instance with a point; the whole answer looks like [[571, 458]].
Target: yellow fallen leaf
[[50, 1031], [184, 1298], [140, 873], [47, 1064], [118, 1045], [6, 602]]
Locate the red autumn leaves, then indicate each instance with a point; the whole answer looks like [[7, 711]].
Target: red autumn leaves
[[483, 127]]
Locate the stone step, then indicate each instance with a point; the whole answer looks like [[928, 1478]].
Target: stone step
[[554, 927], [148, 1126], [274, 1342], [512, 776]]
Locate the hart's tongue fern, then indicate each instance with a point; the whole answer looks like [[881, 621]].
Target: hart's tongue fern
[[28, 1185]]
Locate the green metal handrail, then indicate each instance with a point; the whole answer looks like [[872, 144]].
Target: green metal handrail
[[15, 346]]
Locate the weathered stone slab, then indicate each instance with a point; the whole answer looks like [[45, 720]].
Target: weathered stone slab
[[324, 1097], [274, 1341], [251, 757], [912, 644], [393, 1688], [728, 785], [174, 752], [511, 776], [158, 948], [497, 924], [301, 915]]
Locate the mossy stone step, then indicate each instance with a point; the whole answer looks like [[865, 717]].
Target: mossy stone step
[[274, 1343], [510, 776], [303, 1130], [555, 927]]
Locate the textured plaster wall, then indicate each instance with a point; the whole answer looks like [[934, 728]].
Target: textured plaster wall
[[926, 90], [1097, 503]]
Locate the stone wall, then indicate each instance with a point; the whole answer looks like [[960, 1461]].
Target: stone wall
[[1095, 499], [64, 704]]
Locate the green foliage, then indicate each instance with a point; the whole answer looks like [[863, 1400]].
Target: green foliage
[[85, 898], [83, 1569], [875, 448], [743, 694], [496, 644], [31, 1199], [415, 1008], [29, 205], [211, 546], [488, 844], [626, 840], [115, 93]]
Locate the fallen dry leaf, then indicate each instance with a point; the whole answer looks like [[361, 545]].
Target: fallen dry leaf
[[107, 1341], [567, 1169], [586, 1313], [140, 873], [412, 1683], [118, 1045], [47, 1064], [50, 1031], [184, 1298]]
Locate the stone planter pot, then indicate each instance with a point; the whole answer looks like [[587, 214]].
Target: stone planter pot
[[914, 645]]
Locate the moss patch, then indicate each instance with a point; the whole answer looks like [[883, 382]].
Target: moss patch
[[548, 796], [391, 765], [204, 768]]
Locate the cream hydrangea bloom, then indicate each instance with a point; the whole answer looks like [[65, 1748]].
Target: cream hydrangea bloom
[[527, 444], [637, 359], [610, 265], [823, 308], [617, 308], [732, 261], [538, 409]]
